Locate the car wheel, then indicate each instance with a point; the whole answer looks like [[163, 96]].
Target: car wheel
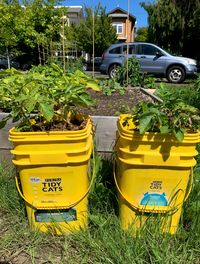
[[112, 71], [176, 74]]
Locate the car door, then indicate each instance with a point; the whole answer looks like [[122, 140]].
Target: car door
[[152, 59], [116, 55], [131, 51]]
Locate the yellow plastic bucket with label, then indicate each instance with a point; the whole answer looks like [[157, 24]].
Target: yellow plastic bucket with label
[[153, 176], [54, 177]]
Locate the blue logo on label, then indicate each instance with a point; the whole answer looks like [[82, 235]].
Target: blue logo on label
[[155, 199]]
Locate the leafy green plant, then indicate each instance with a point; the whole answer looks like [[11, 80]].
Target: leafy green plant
[[188, 94], [110, 86], [53, 97], [171, 117], [148, 82], [72, 65], [135, 77]]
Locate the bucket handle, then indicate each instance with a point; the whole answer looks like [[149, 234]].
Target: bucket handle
[[63, 207], [145, 209]]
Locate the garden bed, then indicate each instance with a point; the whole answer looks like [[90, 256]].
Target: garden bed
[[116, 103]]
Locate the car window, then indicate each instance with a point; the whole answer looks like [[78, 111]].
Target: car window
[[116, 50], [131, 49], [147, 50]]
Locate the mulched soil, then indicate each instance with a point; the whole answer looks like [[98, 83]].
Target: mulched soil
[[115, 104]]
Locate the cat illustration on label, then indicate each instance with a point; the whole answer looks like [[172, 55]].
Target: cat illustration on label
[[155, 199]]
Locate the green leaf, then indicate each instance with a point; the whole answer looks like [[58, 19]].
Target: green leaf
[[93, 85], [47, 111], [145, 124], [165, 130], [179, 134], [56, 68]]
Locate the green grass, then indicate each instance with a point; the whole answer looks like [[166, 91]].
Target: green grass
[[104, 241]]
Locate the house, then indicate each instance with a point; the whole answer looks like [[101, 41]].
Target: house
[[124, 24], [73, 15]]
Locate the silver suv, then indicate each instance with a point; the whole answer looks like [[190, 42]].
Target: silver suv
[[152, 58]]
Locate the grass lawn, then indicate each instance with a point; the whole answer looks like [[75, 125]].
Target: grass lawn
[[104, 241]]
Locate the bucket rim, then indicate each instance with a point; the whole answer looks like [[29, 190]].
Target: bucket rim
[[154, 136], [72, 133]]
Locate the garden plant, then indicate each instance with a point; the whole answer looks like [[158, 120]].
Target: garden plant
[[45, 91]]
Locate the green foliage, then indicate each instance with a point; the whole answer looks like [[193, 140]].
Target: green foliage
[[74, 65], [135, 76], [104, 33], [171, 117], [110, 86], [9, 16], [29, 28], [174, 25], [142, 34], [189, 94], [46, 91], [148, 81]]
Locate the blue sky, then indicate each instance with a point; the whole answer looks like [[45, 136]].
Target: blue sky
[[135, 8]]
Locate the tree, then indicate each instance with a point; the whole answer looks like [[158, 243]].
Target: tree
[[41, 26], [9, 15], [165, 24], [142, 34], [104, 33], [174, 25], [30, 27]]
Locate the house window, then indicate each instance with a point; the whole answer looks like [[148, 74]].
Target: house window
[[118, 27]]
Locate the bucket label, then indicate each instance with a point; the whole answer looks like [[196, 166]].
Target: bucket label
[[156, 185], [52, 185], [52, 216], [34, 179]]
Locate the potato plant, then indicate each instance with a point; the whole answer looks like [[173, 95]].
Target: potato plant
[[46, 92]]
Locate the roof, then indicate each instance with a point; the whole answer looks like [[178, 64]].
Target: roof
[[113, 13], [72, 9]]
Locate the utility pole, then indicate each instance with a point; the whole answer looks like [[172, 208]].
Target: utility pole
[[127, 49], [93, 42]]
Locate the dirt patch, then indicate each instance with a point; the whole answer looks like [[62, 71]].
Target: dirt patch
[[115, 104]]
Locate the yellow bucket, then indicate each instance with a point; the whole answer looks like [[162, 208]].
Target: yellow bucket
[[54, 177], [153, 176]]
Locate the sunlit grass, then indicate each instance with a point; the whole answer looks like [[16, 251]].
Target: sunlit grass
[[104, 241]]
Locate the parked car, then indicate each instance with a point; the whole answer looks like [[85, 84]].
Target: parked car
[[88, 66], [152, 58], [4, 63]]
